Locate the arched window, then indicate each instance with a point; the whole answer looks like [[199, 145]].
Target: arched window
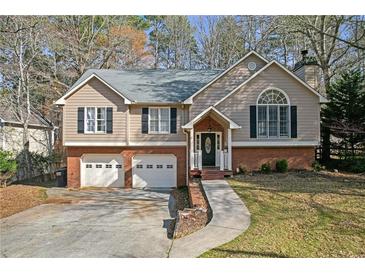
[[273, 114]]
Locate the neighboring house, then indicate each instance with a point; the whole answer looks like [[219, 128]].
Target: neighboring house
[[41, 132], [155, 128]]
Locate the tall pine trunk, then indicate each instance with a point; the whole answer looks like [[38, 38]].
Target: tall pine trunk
[[326, 136]]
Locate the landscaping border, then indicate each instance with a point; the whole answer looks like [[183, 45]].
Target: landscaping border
[[197, 216]]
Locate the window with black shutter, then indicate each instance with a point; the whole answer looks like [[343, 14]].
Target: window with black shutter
[[80, 119], [109, 120], [144, 120], [252, 121], [173, 114], [293, 121]]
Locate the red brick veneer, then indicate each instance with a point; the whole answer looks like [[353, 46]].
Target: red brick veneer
[[209, 122], [74, 154], [253, 158]]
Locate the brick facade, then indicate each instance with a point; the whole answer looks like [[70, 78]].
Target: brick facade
[[253, 158], [74, 154], [209, 122]]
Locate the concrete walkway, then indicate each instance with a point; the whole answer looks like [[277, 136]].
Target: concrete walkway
[[230, 218]]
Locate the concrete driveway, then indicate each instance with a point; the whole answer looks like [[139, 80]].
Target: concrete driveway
[[121, 223]]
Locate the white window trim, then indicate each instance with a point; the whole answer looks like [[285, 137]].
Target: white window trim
[[95, 120], [159, 121], [273, 88], [267, 116]]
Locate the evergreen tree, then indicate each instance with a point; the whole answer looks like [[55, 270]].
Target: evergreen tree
[[344, 115]]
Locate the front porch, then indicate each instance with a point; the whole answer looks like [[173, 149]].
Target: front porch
[[210, 145]]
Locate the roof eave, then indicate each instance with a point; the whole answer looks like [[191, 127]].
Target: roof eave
[[156, 103], [323, 100]]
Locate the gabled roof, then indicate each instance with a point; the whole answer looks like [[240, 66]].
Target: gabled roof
[[167, 86], [147, 86], [199, 117], [8, 116], [190, 99], [322, 99]]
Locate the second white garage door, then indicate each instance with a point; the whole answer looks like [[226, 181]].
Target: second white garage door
[[154, 170]]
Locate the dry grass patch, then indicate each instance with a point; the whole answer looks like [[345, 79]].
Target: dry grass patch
[[301, 214], [16, 198]]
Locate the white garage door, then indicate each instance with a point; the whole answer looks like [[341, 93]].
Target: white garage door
[[102, 170], [154, 170]]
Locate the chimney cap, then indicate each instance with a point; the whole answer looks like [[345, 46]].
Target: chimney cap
[[306, 60]]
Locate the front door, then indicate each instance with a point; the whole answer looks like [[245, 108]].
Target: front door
[[208, 149]]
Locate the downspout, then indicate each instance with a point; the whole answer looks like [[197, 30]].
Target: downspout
[[187, 156], [187, 145], [128, 122]]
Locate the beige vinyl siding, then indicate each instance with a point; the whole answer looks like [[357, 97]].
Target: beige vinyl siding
[[95, 94], [136, 124], [224, 85], [237, 106]]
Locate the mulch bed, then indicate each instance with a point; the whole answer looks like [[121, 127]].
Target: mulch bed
[[182, 197], [16, 198]]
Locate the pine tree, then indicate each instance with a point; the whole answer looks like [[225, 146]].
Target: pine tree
[[344, 115]]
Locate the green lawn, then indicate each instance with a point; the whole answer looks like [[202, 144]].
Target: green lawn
[[300, 215]]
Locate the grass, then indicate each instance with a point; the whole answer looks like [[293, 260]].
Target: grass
[[302, 214], [16, 198]]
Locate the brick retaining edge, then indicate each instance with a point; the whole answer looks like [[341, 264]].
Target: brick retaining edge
[[197, 216]]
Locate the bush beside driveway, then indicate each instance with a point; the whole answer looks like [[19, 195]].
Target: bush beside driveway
[[300, 214]]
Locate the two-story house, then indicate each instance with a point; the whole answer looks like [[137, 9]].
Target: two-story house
[[155, 128]]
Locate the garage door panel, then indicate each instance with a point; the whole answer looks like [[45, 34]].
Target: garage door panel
[[102, 170], [154, 171]]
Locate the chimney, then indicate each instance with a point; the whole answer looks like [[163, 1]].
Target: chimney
[[307, 69]]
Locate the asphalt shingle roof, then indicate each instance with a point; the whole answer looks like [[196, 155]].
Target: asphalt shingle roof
[[154, 85], [8, 115]]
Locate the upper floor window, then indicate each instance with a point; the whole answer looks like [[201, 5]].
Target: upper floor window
[[273, 114], [95, 120], [159, 120]]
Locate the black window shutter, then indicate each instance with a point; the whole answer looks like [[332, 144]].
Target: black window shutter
[[109, 120], [293, 121], [252, 121], [144, 120], [80, 120], [173, 112]]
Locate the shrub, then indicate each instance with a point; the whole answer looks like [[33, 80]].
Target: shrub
[[242, 169], [8, 166], [316, 166], [358, 166], [355, 165], [281, 165], [265, 168]]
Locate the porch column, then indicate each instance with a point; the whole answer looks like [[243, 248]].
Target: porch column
[[229, 149], [192, 149], [221, 155]]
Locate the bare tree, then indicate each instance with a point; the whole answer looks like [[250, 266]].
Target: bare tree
[[21, 46]]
